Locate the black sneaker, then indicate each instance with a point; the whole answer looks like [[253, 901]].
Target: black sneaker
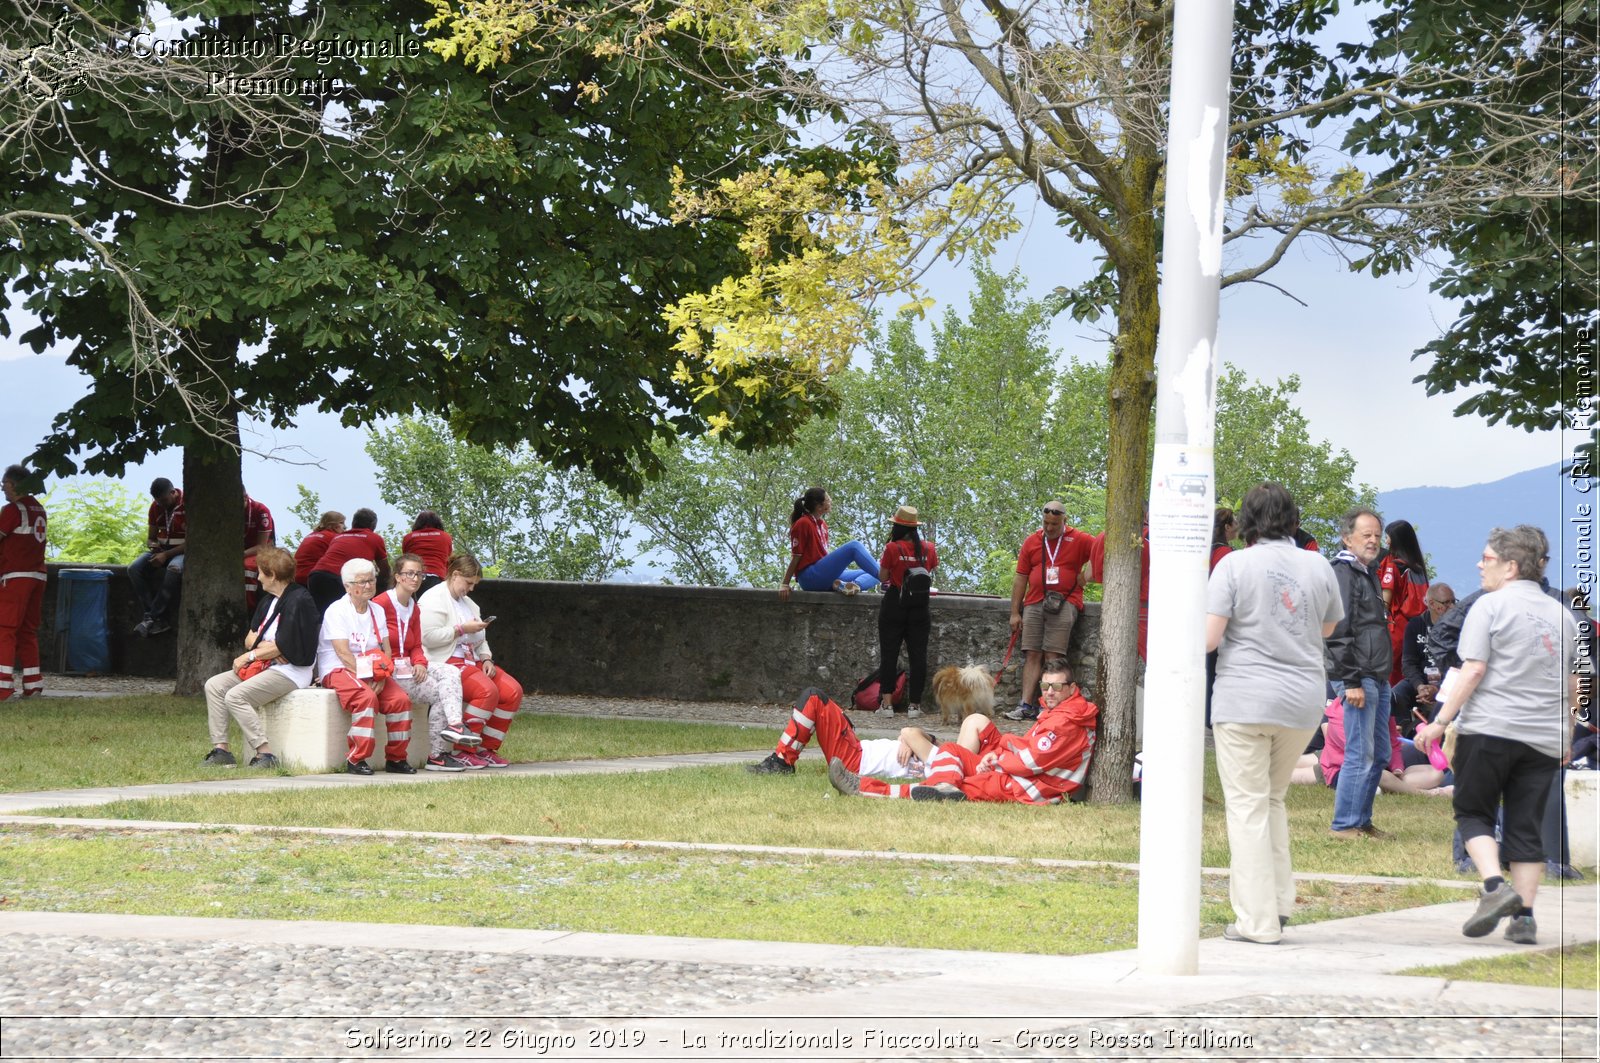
[[220, 758], [264, 760], [397, 767], [938, 792], [1024, 711], [1492, 907], [773, 765], [357, 767], [1522, 930], [844, 780]]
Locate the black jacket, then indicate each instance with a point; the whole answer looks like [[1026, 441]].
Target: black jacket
[[1359, 646], [300, 624], [1414, 655]]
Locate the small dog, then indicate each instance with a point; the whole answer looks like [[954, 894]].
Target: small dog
[[962, 691]]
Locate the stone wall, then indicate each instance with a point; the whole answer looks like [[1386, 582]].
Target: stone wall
[[694, 643]]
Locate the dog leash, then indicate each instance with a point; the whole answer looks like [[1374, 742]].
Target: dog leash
[[1007, 659]]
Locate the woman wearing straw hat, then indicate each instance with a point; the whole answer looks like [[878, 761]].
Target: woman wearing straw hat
[[905, 568]]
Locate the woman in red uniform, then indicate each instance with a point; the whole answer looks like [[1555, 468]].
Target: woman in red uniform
[[810, 561], [1403, 579], [315, 544], [429, 541], [903, 615]]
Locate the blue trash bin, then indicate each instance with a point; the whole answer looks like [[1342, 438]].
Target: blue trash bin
[[82, 641]]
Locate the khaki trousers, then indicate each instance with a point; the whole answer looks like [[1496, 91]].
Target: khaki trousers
[[1255, 762], [227, 695]]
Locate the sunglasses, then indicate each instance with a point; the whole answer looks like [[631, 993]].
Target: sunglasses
[[1055, 512], [1054, 686]]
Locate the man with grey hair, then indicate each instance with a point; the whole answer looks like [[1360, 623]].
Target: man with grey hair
[[1359, 658], [1509, 699]]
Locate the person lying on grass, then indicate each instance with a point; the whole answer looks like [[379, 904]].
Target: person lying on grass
[[817, 714], [1037, 768]]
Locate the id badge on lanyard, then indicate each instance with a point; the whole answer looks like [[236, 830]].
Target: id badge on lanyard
[[1052, 574]]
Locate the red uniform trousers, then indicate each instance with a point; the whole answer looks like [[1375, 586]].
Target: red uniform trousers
[[816, 715], [362, 702], [21, 603], [488, 703]]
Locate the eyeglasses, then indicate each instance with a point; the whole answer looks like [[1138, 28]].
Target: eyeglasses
[[361, 582], [411, 575], [1490, 559], [1054, 686], [1444, 601], [1055, 512]]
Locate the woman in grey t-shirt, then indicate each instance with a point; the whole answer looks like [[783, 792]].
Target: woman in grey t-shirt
[[1268, 609], [1511, 694]]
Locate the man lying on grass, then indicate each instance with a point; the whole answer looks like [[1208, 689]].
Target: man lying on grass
[[1038, 768], [817, 714]]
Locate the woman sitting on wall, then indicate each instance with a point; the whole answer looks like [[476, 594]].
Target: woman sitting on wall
[[429, 541], [315, 544], [354, 660], [809, 560], [453, 633]]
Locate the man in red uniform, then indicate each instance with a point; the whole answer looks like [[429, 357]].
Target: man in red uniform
[[361, 542], [22, 578], [157, 574], [258, 532], [1046, 597], [1038, 768]]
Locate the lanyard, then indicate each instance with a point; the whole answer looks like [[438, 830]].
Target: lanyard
[[403, 623], [1050, 554]]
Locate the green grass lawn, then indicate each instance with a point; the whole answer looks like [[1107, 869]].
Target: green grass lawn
[[57, 743], [1022, 908], [726, 804], [1573, 968]]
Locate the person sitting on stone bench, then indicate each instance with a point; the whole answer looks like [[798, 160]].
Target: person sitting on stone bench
[[1041, 767], [353, 659], [437, 686], [817, 715], [283, 638]]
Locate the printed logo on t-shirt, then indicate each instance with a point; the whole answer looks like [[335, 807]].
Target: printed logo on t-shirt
[[1286, 598]]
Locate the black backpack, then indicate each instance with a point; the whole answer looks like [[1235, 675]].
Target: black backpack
[[916, 584]]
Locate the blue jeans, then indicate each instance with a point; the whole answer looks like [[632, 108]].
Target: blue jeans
[[819, 575], [1366, 754], [155, 586]]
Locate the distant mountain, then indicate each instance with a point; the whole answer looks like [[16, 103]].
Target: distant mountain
[[1453, 522]]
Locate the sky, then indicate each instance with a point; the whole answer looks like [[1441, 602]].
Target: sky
[[1350, 344]]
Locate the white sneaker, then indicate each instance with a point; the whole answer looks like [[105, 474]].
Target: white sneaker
[[885, 712], [913, 712]]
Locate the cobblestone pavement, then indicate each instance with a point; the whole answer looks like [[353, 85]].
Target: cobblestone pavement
[[91, 996]]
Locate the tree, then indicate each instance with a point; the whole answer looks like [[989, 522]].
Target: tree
[[977, 430], [94, 522], [521, 518], [1524, 270], [377, 232], [1061, 100]]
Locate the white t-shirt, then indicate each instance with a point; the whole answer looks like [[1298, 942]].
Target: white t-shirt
[[1526, 638], [880, 757], [364, 631], [300, 673]]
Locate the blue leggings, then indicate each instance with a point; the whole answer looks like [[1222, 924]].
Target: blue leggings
[[819, 575]]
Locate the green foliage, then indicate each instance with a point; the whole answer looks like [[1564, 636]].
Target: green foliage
[[977, 431], [521, 518], [94, 522], [1524, 273], [493, 247]]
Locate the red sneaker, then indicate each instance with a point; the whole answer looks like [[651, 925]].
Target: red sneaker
[[470, 761], [492, 760]]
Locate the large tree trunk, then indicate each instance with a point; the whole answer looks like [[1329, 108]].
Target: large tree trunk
[[213, 617], [1131, 391]]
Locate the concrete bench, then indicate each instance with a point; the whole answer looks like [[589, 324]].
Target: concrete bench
[[1583, 818], [307, 729]]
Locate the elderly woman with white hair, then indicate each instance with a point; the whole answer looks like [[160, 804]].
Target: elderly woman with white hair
[[354, 661]]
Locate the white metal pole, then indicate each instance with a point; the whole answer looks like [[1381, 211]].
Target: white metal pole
[[1183, 490]]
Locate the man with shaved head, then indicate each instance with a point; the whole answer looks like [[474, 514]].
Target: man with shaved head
[[1046, 597]]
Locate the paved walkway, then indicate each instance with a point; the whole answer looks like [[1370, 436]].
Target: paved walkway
[[81, 986]]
